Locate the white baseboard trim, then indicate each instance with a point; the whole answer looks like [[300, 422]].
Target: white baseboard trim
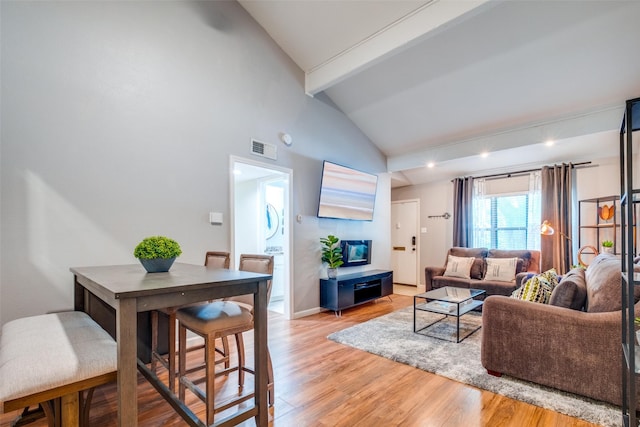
[[305, 313]]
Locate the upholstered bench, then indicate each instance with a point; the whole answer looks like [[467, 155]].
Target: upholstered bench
[[50, 360]]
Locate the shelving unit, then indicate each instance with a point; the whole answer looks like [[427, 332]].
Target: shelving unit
[[629, 196], [593, 229]]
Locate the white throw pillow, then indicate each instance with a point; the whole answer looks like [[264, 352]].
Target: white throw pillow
[[501, 269], [459, 267]]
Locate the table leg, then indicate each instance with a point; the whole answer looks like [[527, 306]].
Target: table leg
[[78, 295], [260, 342], [126, 327], [414, 314], [458, 324]]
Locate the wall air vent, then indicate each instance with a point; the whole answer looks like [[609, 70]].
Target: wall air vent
[[263, 149]]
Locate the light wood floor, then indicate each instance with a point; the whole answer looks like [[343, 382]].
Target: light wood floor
[[322, 383]]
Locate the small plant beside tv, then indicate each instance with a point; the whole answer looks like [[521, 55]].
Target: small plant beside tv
[[331, 254], [607, 246], [157, 253]]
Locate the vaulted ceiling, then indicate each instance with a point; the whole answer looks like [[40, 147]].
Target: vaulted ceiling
[[468, 86]]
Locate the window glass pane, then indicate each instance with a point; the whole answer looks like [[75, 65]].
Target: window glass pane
[[511, 238], [511, 211], [507, 222], [482, 238]]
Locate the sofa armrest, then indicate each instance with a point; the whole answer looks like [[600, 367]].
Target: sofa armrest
[[521, 278], [430, 273], [562, 348]]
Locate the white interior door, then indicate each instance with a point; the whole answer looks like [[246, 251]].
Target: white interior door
[[404, 237]]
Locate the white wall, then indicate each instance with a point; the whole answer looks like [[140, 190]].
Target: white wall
[[601, 179], [595, 182], [118, 120]]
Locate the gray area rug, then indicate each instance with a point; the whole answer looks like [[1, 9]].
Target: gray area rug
[[392, 336]]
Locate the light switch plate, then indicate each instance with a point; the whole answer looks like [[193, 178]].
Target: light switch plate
[[215, 218]]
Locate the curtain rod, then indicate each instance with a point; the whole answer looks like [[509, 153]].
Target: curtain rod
[[510, 174]]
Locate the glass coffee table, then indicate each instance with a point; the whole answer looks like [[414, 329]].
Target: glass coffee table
[[449, 301]]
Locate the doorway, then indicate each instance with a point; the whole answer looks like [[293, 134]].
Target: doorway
[[404, 239], [260, 212]]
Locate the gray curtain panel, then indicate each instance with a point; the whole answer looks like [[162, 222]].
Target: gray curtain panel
[[557, 189], [463, 212]]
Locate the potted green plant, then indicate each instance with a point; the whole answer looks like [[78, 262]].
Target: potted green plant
[[157, 253], [331, 254], [607, 246]]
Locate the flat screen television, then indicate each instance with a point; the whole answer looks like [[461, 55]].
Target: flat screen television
[[346, 193], [355, 252]]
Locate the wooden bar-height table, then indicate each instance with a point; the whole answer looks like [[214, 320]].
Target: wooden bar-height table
[[129, 289]]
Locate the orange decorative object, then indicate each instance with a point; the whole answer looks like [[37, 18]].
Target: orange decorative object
[[606, 212]]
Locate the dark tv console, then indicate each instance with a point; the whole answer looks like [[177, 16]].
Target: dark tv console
[[352, 289]]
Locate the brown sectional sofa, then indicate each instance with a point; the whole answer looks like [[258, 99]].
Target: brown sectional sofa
[[529, 262], [577, 350]]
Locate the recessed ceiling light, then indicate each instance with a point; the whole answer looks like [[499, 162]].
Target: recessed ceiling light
[[430, 164], [484, 154], [549, 142]]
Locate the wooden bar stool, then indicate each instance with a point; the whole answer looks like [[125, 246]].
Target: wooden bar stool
[[213, 259], [219, 319]]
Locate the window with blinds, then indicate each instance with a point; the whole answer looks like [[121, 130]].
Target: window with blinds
[[503, 222], [506, 219]]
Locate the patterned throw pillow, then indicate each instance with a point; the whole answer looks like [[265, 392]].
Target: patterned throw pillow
[[501, 269], [538, 288], [459, 267], [551, 277]]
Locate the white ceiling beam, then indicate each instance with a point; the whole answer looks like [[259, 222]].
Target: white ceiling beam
[[425, 21], [605, 119]]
